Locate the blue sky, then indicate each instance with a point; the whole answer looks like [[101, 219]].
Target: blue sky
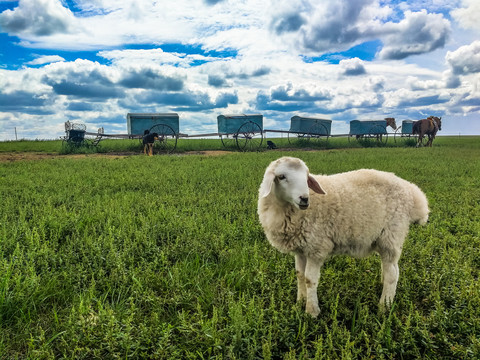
[[94, 61]]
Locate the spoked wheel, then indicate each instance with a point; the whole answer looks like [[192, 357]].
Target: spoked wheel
[[378, 133], [317, 134], [75, 142], [296, 137], [228, 140], [249, 137], [292, 137], [166, 142], [398, 134]]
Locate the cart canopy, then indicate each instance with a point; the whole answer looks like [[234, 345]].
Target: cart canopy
[[407, 126], [230, 124], [307, 125], [137, 123], [367, 127]]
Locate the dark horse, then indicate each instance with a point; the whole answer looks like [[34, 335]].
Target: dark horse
[[428, 126]]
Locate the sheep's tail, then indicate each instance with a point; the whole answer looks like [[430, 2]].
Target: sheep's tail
[[419, 211]]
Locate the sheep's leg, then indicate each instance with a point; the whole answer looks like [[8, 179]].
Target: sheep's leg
[[312, 274], [390, 274], [300, 262]]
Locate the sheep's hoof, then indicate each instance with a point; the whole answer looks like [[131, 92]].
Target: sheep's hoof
[[313, 311], [301, 298], [384, 306]]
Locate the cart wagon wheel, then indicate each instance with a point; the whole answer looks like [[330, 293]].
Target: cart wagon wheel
[[167, 139], [379, 133], [249, 137], [317, 133], [76, 141], [398, 134], [293, 137], [228, 140]]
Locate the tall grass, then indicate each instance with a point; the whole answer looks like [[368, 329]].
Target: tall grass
[[163, 258]]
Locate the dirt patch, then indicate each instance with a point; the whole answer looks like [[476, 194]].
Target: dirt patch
[[29, 156], [209, 152]]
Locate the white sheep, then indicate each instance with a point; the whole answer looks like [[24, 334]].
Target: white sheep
[[354, 213]]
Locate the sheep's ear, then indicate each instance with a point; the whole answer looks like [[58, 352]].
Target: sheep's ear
[[314, 185], [267, 184]]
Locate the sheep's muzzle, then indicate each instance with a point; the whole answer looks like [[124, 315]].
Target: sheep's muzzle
[[303, 204]]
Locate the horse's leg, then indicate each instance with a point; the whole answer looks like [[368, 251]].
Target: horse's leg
[[429, 142], [419, 141]]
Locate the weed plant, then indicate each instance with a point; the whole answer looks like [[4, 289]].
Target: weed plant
[[163, 258]]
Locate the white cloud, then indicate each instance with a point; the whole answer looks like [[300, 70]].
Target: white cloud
[[420, 32], [47, 59], [467, 16], [337, 25], [38, 18], [465, 60], [353, 67]]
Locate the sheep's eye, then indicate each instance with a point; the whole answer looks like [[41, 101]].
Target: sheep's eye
[[281, 177]]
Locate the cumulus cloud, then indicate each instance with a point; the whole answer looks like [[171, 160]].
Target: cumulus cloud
[[334, 25], [81, 106], [147, 78], [353, 67], [187, 100], [94, 92], [416, 84], [287, 22], [418, 33], [467, 16], [37, 17], [24, 102], [224, 99], [82, 79], [405, 98], [465, 60], [289, 92], [217, 81], [423, 101], [20, 98], [338, 25], [290, 98], [451, 80], [247, 72]]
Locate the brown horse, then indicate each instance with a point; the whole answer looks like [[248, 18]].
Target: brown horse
[[428, 126], [391, 122]]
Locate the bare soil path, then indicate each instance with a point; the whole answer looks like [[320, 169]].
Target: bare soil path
[[26, 156]]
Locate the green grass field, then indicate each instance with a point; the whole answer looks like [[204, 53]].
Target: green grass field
[[163, 258]]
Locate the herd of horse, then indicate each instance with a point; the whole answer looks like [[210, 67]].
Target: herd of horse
[[429, 127]]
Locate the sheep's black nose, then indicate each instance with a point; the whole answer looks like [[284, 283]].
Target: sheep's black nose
[[304, 200], [303, 204]]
